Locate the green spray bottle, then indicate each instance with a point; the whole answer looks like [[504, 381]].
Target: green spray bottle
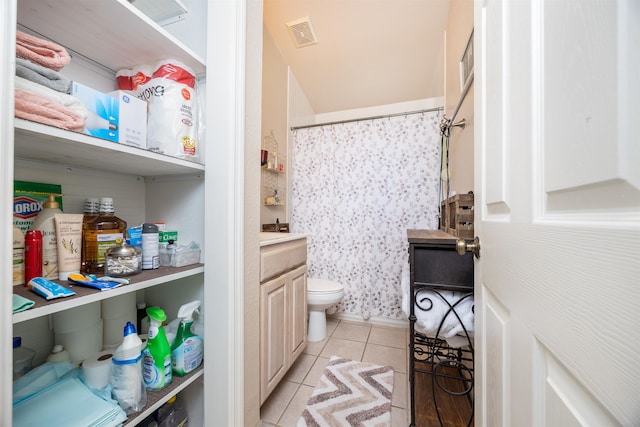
[[156, 357], [187, 348]]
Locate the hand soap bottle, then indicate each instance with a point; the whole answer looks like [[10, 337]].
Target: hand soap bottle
[[187, 348], [45, 222], [156, 362]]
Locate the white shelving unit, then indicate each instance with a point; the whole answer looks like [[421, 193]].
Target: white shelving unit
[[146, 186]]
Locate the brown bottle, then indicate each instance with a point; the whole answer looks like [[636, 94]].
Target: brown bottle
[[90, 212], [100, 234]]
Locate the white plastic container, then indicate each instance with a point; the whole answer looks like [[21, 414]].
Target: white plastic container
[[18, 256], [22, 358]]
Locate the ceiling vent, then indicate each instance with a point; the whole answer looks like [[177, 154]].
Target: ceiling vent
[[302, 32]]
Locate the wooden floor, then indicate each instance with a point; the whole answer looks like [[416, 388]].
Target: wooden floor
[[455, 411]]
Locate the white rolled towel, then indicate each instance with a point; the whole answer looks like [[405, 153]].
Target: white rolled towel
[[443, 313]]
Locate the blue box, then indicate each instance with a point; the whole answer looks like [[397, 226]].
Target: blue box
[[117, 116]]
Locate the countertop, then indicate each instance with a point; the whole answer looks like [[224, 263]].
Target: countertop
[[430, 236], [271, 238]]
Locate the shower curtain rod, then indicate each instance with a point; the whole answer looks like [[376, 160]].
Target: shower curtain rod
[[428, 110]]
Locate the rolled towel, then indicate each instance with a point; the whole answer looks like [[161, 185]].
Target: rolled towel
[[65, 100], [42, 75], [39, 109], [43, 52]]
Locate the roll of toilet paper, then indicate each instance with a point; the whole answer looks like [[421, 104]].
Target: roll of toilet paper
[[122, 306], [83, 342], [76, 318], [97, 369]]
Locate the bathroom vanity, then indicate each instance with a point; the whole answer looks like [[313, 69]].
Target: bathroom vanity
[[283, 305]]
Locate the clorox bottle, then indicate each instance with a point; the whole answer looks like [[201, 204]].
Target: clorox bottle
[[156, 361], [187, 348]]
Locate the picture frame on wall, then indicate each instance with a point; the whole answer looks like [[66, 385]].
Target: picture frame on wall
[[466, 63]]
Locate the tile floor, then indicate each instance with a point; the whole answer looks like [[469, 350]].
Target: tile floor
[[359, 341]]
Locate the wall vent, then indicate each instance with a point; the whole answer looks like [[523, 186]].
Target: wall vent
[[302, 32]]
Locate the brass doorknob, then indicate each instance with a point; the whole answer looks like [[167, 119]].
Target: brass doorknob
[[462, 247]]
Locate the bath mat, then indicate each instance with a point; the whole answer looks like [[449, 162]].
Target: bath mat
[[349, 394]]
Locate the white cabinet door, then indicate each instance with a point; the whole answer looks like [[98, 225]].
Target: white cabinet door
[[298, 312], [558, 213], [274, 351]]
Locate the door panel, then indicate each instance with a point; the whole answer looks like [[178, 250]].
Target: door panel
[[557, 212]]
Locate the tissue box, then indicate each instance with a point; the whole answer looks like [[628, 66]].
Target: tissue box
[[132, 121], [118, 116]]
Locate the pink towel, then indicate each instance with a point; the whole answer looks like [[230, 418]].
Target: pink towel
[[43, 110], [43, 52]]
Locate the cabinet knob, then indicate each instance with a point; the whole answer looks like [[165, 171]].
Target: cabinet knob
[[462, 247]]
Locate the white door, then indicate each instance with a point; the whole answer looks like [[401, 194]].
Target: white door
[[557, 134]]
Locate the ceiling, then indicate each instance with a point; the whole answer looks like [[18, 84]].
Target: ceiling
[[369, 52]]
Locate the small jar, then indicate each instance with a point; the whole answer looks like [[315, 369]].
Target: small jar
[[123, 260]]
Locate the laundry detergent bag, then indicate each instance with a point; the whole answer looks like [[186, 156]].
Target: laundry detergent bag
[[170, 90]]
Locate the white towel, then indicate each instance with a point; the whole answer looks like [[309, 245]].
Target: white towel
[[437, 312], [68, 101]]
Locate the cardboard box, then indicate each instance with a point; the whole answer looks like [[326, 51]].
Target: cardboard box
[[28, 201], [132, 123], [116, 116]]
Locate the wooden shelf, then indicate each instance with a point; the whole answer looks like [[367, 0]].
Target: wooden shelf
[[155, 399], [39, 142], [126, 36], [85, 295]]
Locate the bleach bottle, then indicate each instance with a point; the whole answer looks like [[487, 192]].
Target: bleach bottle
[[156, 357], [126, 372], [187, 348]]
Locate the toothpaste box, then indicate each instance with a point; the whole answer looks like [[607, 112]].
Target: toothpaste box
[[116, 116]]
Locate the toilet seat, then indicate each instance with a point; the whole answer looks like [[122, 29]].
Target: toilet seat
[[323, 286]]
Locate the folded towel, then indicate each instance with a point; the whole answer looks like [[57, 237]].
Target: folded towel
[[42, 75], [43, 52], [70, 102], [44, 110], [21, 303], [439, 314]]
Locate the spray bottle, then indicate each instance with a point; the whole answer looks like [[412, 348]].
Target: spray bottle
[[187, 348], [157, 355]]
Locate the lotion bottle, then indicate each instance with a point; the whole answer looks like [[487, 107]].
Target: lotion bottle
[[46, 224]]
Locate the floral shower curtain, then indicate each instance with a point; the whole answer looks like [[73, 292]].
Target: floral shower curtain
[[355, 189]]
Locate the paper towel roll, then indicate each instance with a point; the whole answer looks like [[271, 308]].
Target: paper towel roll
[[122, 306], [97, 368], [77, 318], [81, 343]]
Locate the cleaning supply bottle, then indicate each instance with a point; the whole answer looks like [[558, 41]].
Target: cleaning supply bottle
[[157, 355], [187, 348], [45, 222], [103, 232], [126, 381], [173, 414]]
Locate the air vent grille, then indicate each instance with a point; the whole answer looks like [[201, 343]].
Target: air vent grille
[[302, 32]]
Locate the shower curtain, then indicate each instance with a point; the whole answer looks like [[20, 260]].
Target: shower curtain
[[355, 189]]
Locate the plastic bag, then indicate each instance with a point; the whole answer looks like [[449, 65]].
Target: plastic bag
[[174, 117]]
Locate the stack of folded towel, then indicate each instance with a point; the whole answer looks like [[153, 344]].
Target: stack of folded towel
[[40, 90]]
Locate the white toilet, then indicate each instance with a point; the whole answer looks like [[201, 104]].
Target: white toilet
[[321, 294]]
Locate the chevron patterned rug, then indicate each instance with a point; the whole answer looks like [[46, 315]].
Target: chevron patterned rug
[[349, 394]]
